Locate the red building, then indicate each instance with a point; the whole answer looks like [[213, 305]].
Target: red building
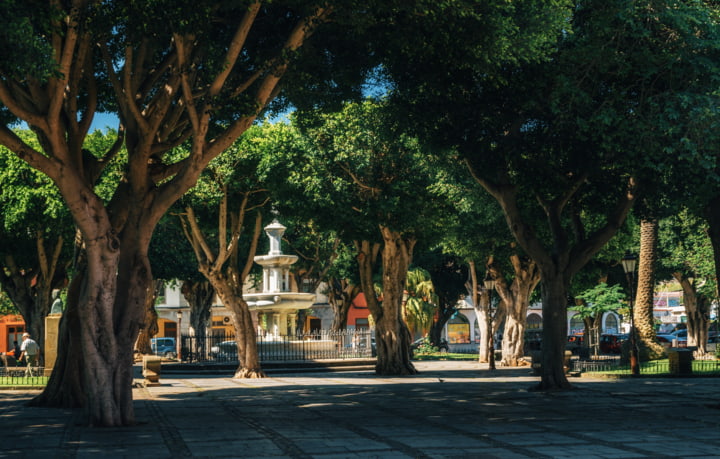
[[11, 329]]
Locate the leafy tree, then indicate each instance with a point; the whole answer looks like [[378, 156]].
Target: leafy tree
[[231, 193], [595, 303], [567, 140], [359, 175], [686, 254], [173, 72], [420, 305], [35, 229]]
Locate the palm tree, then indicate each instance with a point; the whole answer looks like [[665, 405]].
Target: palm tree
[[643, 311], [419, 308]]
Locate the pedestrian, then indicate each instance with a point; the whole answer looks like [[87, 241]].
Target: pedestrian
[[16, 352], [31, 351]]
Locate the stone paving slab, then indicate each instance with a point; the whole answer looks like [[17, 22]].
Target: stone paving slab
[[449, 410]]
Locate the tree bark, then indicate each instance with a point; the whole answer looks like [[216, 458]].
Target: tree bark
[[697, 308], [644, 301], [199, 296], [66, 386], [391, 334], [149, 327], [554, 334], [712, 215], [558, 259], [516, 298], [341, 293], [222, 270]]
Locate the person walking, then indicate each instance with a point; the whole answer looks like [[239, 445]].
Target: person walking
[[31, 351]]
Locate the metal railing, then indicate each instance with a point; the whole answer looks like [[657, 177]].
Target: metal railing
[[324, 344], [19, 376], [651, 368]]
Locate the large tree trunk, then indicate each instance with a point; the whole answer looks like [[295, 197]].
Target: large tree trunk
[[644, 301], [392, 336], [554, 334], [66, 386], [149, 327], [199, 296], [712, 215], [341, 293], [697, 308], [246, 337], [516, 299]]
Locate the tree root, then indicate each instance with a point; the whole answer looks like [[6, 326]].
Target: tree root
[[249, 373]]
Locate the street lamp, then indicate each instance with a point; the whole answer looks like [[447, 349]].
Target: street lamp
[[489, 283], [628, 263], [177, 340]]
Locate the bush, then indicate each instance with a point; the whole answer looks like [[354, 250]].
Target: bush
[[426, 347]]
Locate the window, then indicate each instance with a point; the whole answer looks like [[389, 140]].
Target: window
[[458, 329]]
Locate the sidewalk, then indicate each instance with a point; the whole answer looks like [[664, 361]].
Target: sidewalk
[[451, 409]]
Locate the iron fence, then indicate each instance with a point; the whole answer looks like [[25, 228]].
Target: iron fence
[[652, 368], [19, 376], [324, 344]]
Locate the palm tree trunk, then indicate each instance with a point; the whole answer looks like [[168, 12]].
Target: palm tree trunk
[[643, 310]]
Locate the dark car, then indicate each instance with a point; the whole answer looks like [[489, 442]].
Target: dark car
[[574, 343], [443, 346], [668, 340], [225, 351], [611, 343]]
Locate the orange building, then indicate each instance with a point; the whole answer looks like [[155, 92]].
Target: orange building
[[11, 329], [359, 312]]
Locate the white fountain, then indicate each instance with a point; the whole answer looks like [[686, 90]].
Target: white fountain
[[277, 302]]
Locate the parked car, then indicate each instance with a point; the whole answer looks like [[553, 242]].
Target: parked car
[[667, 340], [443, 346], [164, 346], [680, 333], [574, 343], [612, 343], [226, 350]]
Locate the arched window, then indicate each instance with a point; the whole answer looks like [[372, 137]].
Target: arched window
[[458, 329], [576, 325], [611, 323], [534, 322]]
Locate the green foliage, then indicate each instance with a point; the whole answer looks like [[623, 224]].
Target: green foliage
[[421, 303], [425, 347], [685, 247], [357, 169], [6, 306], [599, 299]]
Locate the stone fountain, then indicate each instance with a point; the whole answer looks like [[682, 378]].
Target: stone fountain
[[277, 302]]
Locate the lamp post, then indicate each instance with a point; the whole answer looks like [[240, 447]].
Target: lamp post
[[628, 263], [177, 339], [489, 283]]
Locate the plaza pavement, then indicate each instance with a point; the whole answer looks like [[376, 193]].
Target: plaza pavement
[[450, 409]]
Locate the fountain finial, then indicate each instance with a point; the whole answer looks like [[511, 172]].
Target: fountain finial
[[275, 231]]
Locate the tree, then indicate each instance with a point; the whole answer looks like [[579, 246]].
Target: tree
[[169, 68], [448, 274], [35, 229], [516, 298], [234, 193], [686, 255], [571, 134], [595, 303], [359, 175], [420, 305]]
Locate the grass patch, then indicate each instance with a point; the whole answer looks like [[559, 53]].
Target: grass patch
[[662, 367], [445, 356], [22, 381]]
